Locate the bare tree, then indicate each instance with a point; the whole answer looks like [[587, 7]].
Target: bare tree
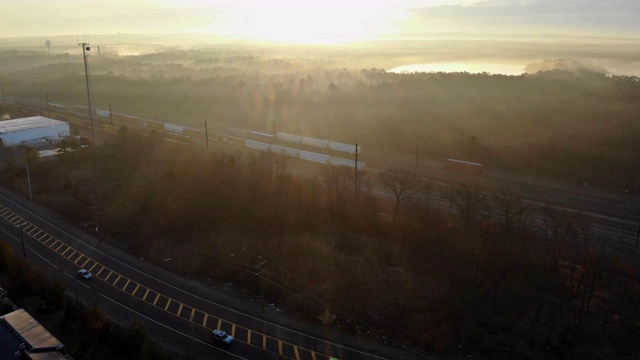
[[511, 211], [467, 201], [403, 183]]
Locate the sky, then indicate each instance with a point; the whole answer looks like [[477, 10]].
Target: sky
[[314, 21]]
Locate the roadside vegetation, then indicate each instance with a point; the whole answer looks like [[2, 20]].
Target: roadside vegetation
[[84, 330], [475, 280]]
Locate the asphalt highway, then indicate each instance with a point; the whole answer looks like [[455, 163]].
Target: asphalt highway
[[179, 313]]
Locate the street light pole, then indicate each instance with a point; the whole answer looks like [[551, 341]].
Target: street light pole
[[85, 48], [48, 110], [259, 274], [193, 348], [24, 250], [95, 219], [29, 182]]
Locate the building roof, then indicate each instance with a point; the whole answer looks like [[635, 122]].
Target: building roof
[[33, 122], [19, 327]]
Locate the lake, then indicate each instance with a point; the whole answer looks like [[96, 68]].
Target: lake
[[473, 68]]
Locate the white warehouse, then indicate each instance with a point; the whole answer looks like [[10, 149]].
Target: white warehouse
[[33, 131]]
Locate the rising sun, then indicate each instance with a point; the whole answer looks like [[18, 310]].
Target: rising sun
[[312, 22]]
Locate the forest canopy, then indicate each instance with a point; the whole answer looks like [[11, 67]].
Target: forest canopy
[[562, 118]]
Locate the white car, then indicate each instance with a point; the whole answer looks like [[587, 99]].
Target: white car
[[221, 336], [84, 274]]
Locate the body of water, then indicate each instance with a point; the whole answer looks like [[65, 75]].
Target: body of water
[[474, 68]]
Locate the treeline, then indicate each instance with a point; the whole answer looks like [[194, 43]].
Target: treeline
[[84, 330], [574, 125], [475, 280]]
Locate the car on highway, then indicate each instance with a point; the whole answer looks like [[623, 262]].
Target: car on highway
[[85, 274], [221, 336]]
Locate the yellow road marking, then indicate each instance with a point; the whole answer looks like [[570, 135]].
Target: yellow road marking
[[37, 232], [79, 257], [98, 274], [94, 265], [107, 278]]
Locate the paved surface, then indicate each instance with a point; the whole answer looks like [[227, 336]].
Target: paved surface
[[179, 313]]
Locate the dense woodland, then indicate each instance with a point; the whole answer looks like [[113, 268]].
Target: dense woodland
[[563, 119], [447, 282]]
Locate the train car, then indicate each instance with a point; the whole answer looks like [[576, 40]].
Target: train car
[[337, 161], [233, 140], [58, 108], [259, 136], [464, 166]]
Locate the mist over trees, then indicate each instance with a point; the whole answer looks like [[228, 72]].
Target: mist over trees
[[474, 280], [570, 121]]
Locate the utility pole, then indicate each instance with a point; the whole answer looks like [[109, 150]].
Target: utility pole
[[4, 100], [259, 274], [85, 48], [24, 251], [48, 110], [415, 172], [206, 136], [95, 220], [356, 168], [111, 118], [29, 182], [193, 348], [635, 249]]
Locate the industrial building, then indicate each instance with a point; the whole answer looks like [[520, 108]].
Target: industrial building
[[22, 337], [35, 131]]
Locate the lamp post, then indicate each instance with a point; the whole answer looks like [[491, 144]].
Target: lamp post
[[85, 48], [95, 219], [193, 349], [261, 269], [29, 182], [24, 251]]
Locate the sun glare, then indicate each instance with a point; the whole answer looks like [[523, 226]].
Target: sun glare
[[312, 23]]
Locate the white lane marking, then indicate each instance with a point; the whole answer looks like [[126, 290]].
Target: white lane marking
[[122, 305], [188, 293]]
